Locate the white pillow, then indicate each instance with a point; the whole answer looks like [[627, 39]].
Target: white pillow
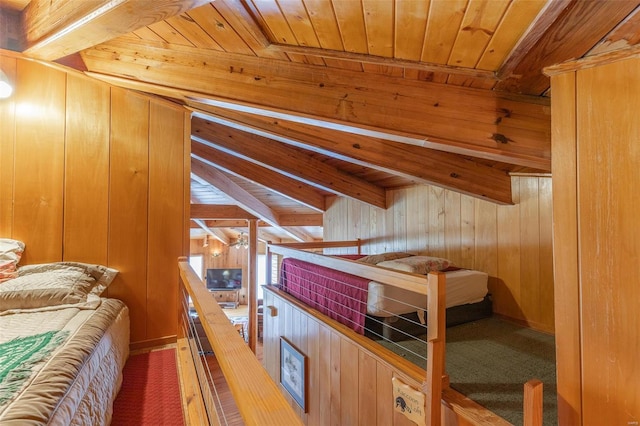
[[417, 264], [10, 254]]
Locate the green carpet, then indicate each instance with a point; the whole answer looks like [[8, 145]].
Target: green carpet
[[490, 360]]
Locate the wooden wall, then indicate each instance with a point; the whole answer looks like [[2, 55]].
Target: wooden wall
[[511, 243], [596, 140], [96, 174]]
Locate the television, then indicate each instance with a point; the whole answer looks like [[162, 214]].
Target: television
[[224, 279]]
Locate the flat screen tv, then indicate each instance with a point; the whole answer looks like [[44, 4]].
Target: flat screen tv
[[224, 279]]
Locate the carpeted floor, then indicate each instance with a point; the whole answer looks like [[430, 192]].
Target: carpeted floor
[[150, 393], [490, 360]]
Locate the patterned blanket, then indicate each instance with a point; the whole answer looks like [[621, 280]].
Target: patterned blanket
[[19, 356]]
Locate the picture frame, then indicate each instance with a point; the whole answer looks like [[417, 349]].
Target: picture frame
[[293, 372]]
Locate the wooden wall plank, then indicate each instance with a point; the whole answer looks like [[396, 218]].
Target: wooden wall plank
[[608, 242], [565, 241], [7, 148], [39, 161], [314, 383], [367, 389], [324, 374], [86, 194], [165, 217], [384, 394], [511, 243], [348, 371], [335, 407], [128, 204]]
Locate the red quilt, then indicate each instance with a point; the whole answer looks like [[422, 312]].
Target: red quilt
[[340, 296]]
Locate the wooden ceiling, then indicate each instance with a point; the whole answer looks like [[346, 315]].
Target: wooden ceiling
[[296, 100]]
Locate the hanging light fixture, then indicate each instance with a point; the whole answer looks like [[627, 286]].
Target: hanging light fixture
[[242, 241], [6, 89]]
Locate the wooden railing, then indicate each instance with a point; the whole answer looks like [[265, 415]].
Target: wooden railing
[[433, 286], [257, 396]]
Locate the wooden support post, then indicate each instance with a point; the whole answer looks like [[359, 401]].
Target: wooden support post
[[533, 403], [435, 346], [252, 268]]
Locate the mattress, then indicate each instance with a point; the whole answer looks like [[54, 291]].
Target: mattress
[[72, 363], [463, 286]]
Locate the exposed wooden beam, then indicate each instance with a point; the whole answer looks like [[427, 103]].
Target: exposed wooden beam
[[578, 27], [417, 163], [54, 29], [10, 30], [247, 170], [290, 161], [380, 60], [215, 233], [461, 120], [285, 220], [301, 219], [217, 211], [248, 202]]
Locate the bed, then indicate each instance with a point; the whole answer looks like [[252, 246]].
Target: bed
[[62, 346], [382, 310]]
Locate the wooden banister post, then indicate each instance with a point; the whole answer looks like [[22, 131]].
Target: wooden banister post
[[533, 403], [435, 346]]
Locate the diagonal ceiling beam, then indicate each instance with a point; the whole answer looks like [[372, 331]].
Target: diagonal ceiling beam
[[468, 121], [290, 161], [579, 25], [248, 202], [218, 211], [57, 28], [215, 233], [263, 176], [421, 164]]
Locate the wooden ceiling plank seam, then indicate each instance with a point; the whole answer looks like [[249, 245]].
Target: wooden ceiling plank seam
[[273, 18], [421, 164], [516, 20], [262, 176], [379, 19], [445, 18], [410, 28], [296, 16], [324, 24], [247, 201], [53, 31], [190, 29], [169, 34], [210, 20], [289, 161], [147, 34], [625, 35], [243, 22], [478, 27], [350, 21]]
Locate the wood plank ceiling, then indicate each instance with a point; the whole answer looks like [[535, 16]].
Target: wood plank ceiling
[[296, 100]]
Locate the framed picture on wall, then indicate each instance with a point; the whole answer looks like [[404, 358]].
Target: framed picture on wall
[[293, 372]]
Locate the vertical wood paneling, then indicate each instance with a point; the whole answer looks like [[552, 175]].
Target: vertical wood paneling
[[80, 187], [314, 383], [325, 376], [165, 220], [86, 193], [367, 388], [348, 381], [609, 240], [7, 147], [384, 394], [128, 204], [39, 161], [511, 243], [335, 410]]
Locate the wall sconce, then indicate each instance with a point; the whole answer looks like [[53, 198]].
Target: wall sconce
[[215, 254], [6, 89]]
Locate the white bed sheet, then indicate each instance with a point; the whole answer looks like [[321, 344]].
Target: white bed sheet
[[463, 286]]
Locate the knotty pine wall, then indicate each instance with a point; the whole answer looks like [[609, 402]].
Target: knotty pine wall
[[94, 173], [513, 244]]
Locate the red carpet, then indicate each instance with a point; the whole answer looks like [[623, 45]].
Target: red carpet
[[150, 393]]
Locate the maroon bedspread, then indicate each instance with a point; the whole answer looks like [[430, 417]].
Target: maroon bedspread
[[340, 296]]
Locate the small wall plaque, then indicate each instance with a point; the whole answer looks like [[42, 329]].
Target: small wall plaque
[[409, 402]]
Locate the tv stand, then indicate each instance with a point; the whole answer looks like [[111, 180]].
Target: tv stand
[[226, 303]]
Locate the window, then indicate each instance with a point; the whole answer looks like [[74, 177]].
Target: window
[[262, 273], [195, 260]]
